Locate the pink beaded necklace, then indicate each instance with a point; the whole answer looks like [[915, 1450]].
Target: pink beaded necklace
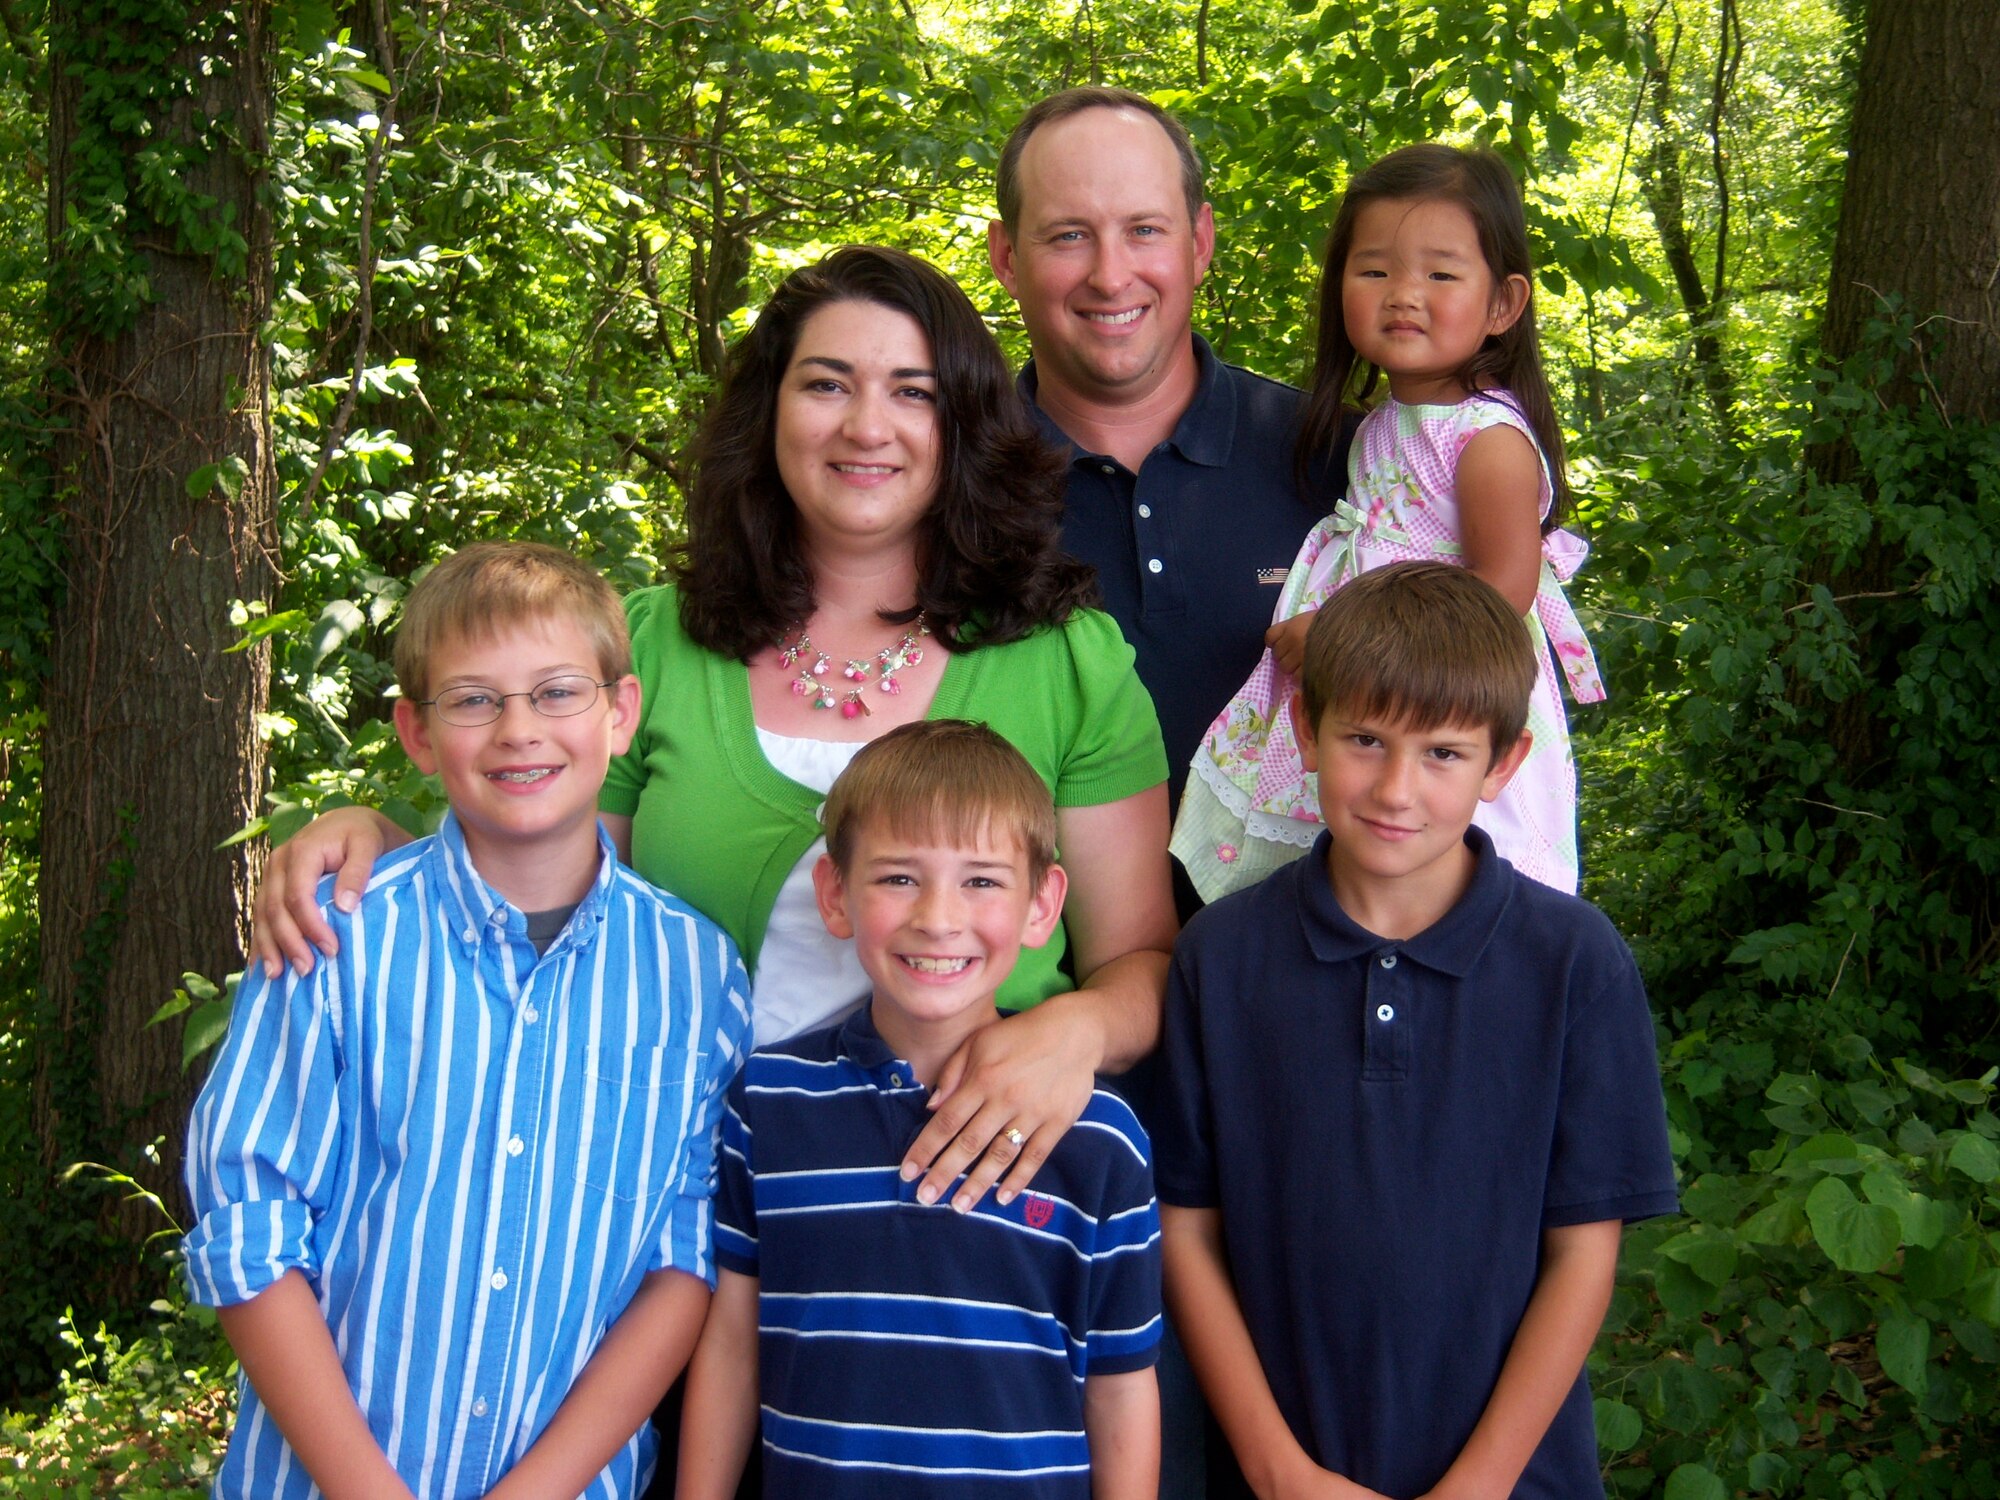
[[811, 679]]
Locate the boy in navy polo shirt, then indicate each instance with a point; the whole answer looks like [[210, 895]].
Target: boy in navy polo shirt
[[898, 1348], [452, 1184], [1412, 1095]]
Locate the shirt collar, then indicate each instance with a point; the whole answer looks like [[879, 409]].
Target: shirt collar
[[860, 1043], [1204, 435], [474, 906], [1451, 945]]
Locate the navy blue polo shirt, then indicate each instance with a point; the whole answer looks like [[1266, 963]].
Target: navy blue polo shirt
[[907, 1349], [1387, 1127], [1191, 551]]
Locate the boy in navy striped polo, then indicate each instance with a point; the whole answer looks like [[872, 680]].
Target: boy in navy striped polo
[[452, 1184], [898, 1348], [1411, 1094]]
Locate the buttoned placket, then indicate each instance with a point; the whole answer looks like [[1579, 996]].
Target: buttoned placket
[[1385, 1023], [509, 970]]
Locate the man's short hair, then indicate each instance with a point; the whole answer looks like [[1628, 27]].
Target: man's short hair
[[1421, 644], [947, 782], [1060, 106], [490, 587]]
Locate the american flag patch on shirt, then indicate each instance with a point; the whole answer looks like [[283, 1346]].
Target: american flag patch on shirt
[[1273, 575]]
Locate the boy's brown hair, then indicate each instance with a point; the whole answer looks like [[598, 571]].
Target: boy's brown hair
[[489, 587], [945, 781], [1422, 644]]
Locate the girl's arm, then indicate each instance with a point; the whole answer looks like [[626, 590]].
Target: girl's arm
[[1499, 487], [1034, 1072]]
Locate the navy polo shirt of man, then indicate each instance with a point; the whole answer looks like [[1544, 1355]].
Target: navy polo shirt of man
[[1192, 551], [1387, 1128]]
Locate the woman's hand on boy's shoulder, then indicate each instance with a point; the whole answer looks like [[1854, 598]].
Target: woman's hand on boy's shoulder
[[286, 922], [1002, 1102]]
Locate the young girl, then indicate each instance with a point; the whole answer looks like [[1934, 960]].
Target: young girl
[[1427, 282]]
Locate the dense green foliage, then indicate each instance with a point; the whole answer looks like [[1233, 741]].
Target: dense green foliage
[[514, 239]]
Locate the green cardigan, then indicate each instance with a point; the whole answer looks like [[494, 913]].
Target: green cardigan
[[716, 825]]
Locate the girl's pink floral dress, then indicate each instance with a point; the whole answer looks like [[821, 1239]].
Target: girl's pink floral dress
[[1250, 806]]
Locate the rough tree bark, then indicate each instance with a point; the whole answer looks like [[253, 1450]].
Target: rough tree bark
[[1921, 212], [151, 750], [1919, 219]]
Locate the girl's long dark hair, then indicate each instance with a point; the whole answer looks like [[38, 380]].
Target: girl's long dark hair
[[1477, 181], [989, 567]]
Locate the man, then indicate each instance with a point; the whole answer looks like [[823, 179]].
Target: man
[[1181, 483], [1181, 487]]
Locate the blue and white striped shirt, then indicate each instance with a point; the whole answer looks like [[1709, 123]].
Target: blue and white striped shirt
[[910, 1350], [472, 1153]]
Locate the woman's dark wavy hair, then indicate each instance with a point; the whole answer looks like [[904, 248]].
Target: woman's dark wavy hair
[[1478, 182], [989, 567]]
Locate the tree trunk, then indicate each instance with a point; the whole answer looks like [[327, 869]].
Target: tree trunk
[[1921, 212], [160, 372], [1919, 220]]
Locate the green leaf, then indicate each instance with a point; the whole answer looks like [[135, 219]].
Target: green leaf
[[263, 625], [1682, 1293], [1920, 1220], [1767, 1472], [1982, 1297], [339, 619], [1935, 1274], [1976, 1157], [206, 1026], [1856, 1236], [1903, 1344], [1618, 1426], [1774, 1224], [1695, 1482]]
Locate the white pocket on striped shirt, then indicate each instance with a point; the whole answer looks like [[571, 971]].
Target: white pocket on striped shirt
[[633, 1120]]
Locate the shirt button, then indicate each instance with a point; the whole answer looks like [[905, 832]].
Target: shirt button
[[895, 1080], [1108, 468], [1155, 566], [1388, 962], [515, 1147], [471, 936], [1385, 1012], [499, 1282], [1145, 512], [531, 1015], [479, 1406]]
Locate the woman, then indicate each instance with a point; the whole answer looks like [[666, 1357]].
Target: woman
[[872, 540]]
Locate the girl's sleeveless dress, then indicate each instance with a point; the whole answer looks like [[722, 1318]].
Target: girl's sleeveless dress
[[1250, 805]]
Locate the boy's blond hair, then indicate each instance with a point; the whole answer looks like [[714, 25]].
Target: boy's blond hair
[[1422, 644], [488, 587], [944, 781]]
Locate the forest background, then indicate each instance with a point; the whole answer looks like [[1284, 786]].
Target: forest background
[[298, 296]]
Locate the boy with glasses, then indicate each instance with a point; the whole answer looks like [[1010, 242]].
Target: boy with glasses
[[452, 1185]]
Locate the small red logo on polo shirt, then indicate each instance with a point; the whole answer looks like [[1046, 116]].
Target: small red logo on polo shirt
[[1037, 1210]]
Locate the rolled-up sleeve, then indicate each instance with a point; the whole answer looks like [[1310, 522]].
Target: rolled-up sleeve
[[688, 1242], [263, 1139]]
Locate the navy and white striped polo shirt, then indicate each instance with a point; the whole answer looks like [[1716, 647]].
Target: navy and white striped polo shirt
[[472, 1153], [906, 1349]]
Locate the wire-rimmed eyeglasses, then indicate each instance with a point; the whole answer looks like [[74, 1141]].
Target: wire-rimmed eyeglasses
[[469, 705]]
